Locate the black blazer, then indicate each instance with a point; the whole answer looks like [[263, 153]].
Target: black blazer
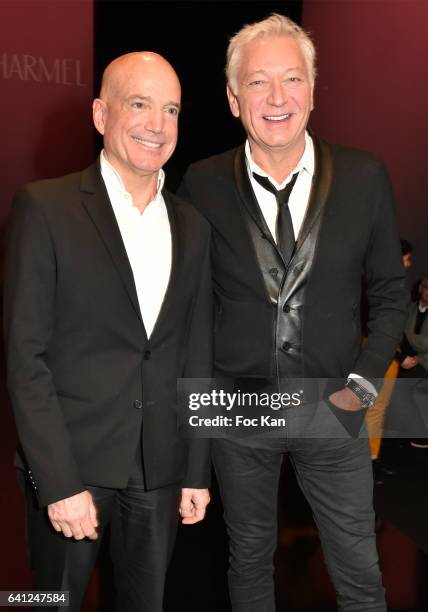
[[358, 234], [84, 380]]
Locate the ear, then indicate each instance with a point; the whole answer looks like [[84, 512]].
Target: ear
[[99, 114], [312, 98], [233, 101]]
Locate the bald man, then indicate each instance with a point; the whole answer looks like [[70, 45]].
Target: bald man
[[107, 303]]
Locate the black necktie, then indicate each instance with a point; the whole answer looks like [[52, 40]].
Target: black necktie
[[284, 225]]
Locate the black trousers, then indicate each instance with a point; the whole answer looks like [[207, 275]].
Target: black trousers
[[143, 526], [335, 474]]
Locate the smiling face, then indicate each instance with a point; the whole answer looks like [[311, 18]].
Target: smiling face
[[137, 113], [273, 96]]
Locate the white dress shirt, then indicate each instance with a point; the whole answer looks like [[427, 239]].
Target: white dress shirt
[[147, 240], [299, 197]]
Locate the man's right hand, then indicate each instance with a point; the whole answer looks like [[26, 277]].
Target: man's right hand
[[409, 362], [75, 516]]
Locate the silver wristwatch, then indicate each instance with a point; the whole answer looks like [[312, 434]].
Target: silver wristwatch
[[366, 398]]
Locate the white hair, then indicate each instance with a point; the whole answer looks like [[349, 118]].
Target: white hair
[[274, 25]]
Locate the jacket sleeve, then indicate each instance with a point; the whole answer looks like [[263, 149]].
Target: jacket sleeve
[[406, 349], [387, 292], [29, 320], [199, 364]]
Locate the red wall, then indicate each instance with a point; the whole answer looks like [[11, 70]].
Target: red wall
[[46, 59], [372, 93]]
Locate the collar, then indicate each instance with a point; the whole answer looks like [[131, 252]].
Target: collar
[[306, 163], [422, 308], [114, 181]]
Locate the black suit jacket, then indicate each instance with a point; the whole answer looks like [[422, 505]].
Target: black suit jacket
[[84, 380], [358, 235]]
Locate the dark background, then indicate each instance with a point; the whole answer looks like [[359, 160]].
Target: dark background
[[193, 36]]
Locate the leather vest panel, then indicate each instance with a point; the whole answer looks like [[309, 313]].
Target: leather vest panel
[[285, 288]]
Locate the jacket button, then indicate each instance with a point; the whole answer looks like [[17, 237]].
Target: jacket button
[[274, 271], [286, 346], [286, 308], [138, 404], [147, 354]]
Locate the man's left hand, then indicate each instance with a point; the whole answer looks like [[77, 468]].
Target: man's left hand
[[193, 505], [345, 399]]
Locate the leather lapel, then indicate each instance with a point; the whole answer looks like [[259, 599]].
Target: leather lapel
[[97, 204], [246, 192], [320, 189], [167, 303]]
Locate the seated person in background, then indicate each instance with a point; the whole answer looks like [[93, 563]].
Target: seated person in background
[[414, 347]]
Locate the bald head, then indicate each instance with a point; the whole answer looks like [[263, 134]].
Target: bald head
[[126, 66]]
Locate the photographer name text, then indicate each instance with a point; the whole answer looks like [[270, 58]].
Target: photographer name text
[[238, 420]]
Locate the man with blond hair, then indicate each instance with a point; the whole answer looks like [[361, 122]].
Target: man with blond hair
[[107, 303], [295, 223]]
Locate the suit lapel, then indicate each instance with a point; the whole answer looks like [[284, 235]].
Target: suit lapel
[[97, 204], [317, 198], [320, 189], [246, 192]]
